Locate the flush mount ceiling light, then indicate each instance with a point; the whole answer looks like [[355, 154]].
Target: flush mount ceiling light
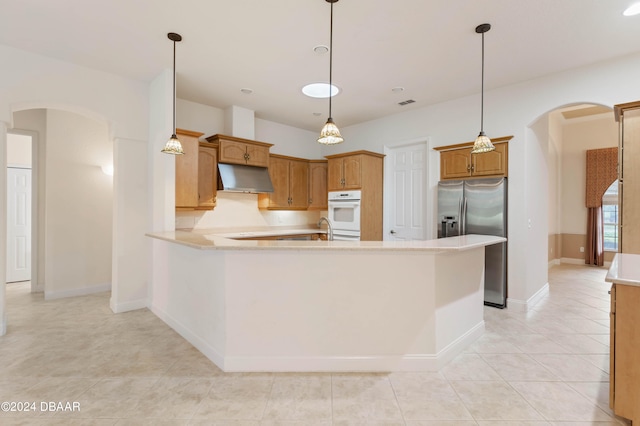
[[330, 135], [482, 143], [632, 10], [173, 145], [321, 49], [320, 90]]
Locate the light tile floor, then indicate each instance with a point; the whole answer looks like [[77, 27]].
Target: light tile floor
[[548, 366]]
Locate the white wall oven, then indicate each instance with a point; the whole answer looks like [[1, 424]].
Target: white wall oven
[[344, 214]]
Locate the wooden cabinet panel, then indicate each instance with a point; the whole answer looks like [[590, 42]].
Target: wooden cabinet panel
[[232, 152], [241, 151], [299, 184], [290, 178], [187, 170], [207, 177], [352, 172], [492, 163], [455, 164], [457, 161], [318, 185], [625, 351], [630, 181], [334, 175], [257, 156]]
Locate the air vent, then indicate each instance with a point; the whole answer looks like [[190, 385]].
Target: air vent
[[407, 102]]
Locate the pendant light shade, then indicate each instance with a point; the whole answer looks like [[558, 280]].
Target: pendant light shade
[[173, 145], [330, 135], [482, 143]]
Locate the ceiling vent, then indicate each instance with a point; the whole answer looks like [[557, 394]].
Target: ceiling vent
[[407, 102]]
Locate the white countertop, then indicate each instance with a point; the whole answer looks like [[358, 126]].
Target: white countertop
[[625, 269], [221, 241]]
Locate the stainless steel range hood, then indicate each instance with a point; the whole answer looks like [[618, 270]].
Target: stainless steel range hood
[[240, 178]]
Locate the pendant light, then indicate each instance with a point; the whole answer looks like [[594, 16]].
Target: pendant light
[[173, 145], [330, 135], [482, 143]]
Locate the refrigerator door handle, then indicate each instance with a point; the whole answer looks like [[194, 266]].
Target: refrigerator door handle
[[464, 216], [460, 217]]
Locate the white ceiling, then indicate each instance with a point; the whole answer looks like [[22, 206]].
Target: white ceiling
[[429, 47]]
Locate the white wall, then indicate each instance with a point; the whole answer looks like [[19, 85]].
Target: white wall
[[555, 172], [78, 200], [18, 150]]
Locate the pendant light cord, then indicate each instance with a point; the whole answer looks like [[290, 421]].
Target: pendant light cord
[[482, 90], [174, 88], [330, 60]]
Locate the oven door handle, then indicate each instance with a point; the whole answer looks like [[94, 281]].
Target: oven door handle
[[333, 203]]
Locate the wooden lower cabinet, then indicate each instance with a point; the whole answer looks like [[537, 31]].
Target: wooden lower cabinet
[[624, 389]]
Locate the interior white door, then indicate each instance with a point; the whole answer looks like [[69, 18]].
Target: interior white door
[[18, 224], [406, 192]]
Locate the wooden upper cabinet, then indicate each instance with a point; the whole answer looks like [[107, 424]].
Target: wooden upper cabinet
[[290, 179], [241, 151], [628, 116], [207, 176], [318, 198], [187, 170], [457, 161], [345, 171]]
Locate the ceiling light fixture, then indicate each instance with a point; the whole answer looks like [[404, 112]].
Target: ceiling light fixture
[[632, 10], [482, 143], [320, 90], [173, 145], [330, 135]]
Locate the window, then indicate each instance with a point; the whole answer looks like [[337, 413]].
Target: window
[[610, 217]]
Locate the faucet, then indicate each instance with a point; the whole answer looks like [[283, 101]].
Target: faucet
[[329, 227]]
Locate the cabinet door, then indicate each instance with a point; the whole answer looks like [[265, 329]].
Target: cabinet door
[[232, 152], [257, 155], [352, 167], [187, 172], [455, 164], [335, 174], [298, 184], [318, 186], [630, 231], [492, 163], [207, 177], [279, 173]]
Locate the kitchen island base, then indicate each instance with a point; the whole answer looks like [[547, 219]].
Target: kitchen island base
[[322, 310]]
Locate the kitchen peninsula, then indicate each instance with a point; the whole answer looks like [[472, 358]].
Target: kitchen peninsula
[[256, 305]]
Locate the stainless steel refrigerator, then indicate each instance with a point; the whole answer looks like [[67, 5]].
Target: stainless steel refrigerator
[[478, 206]]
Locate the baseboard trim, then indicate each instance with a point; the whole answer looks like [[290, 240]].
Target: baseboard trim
[[572, 261], [527, 305], [83, 291], [133, 305], [553, 263], [207, 350], [297, 364]]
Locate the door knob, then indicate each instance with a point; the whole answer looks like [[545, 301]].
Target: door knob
[[392, 231]]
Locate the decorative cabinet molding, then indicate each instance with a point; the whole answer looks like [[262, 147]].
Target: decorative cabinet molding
[[241, 151], [196, 173], [457, 161]]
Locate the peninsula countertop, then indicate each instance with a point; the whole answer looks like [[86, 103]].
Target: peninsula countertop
[[217, 240], [625, 269]]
